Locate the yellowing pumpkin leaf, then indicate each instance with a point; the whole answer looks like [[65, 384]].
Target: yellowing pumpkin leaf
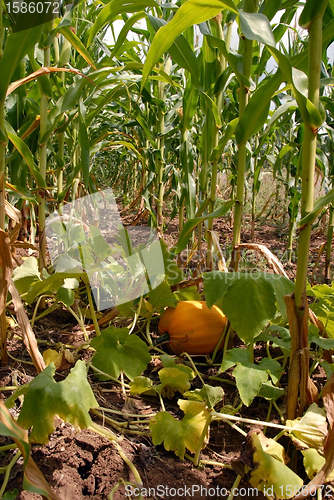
[[177, 435], [270, 475], [173, 380], [312, 428], [52, 356]]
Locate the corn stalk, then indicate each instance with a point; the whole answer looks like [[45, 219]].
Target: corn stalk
[[301, 391], [249, 6]]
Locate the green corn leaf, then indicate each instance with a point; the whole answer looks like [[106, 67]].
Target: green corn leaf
[[192, 223], [318, 206], [16, 47], [84, 143], [327, 82], [70, 399], [255, 26], [124, 31], [298, 82], [190, 13], [256, 112], [282, 110], [230, 129], [213, 108], [181, 52], [190, 101], [77, 44], [310, 11], [113, 9], [43, 81], [26, 154], [235, 60]]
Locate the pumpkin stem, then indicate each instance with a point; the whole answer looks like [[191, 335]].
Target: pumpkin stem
[[163, 339]]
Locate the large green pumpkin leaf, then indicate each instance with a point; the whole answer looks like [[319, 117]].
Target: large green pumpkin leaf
[[118, 351], [249, 379], [162, 296], [26, 275], [70, 399], [247, 299], [177, 435], [282, 286]]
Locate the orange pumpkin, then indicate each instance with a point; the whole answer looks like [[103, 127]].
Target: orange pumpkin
[[193, 327]]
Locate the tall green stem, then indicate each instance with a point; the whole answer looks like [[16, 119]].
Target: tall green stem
[[301, 391], [214, 171], [3, 144], [161, 146], [42, 169], [308, 160], [249, 6], [329, 244]]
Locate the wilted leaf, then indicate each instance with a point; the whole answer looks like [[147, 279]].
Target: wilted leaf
[[118, 351], [270, 474], [61, 360], [312, 428], [177, 435], [70, 399], [52, 356], [272, 447], [313, 462], [328, 399]]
